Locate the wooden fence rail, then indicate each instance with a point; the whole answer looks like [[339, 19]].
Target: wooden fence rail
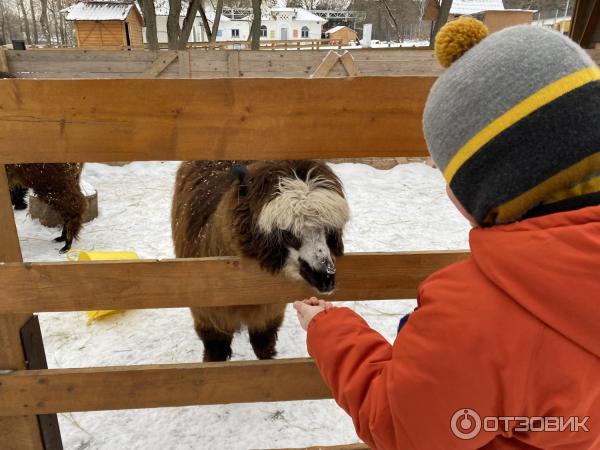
[[197, 63], [203, 282], [29, 392], [117, 120]]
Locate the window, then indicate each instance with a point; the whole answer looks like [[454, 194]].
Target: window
[[305, 32], [219, 33], [235, 33], [263, 31]]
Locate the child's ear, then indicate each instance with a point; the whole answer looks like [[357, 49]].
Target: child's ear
[[240, 173]]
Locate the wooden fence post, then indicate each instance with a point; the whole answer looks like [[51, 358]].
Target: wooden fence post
[[22, 432], [3, 61], [233, 63], [184, 64]]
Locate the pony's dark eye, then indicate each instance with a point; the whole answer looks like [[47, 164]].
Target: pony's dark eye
[[290, 240]]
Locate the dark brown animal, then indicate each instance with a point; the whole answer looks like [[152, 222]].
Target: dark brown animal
[[286, 215], [57, 185]]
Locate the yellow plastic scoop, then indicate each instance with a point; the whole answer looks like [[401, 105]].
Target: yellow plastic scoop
[[82, 255]]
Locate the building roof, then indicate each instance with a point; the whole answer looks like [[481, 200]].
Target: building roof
[[338, 28], [104, 10], [466, 7], [299, 14]]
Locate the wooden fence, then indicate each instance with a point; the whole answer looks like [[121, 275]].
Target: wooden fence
[[313, 44], [106, 120], [197, 63]]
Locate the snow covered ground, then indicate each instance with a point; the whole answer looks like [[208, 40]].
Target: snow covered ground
[[401, 209]]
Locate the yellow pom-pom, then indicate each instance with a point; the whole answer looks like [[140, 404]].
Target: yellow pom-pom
[[456, 37]]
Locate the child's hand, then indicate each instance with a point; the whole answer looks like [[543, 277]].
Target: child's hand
[[307, 309]]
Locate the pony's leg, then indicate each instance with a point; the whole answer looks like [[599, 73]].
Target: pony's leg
[[217, 344], [264, 339]]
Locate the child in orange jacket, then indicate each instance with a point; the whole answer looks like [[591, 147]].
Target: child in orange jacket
[[503, 351]]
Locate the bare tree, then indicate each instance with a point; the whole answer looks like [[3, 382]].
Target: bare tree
[[25, 20], [441, 19], [256, 21], [188, 23], [44, 22], [33, 23], [173, 28], [55, 22], [393, 20], [149, 13], [3, 36], [217, 21]]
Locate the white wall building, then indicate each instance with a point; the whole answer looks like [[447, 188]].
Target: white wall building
[[290, 24], [276, 24]]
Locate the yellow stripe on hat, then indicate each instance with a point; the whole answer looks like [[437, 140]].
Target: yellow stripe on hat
[[557, 187], [588, 186], [518, 112]]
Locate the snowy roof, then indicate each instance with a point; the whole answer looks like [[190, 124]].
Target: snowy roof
[[466, 7], [300, 14], [338, 28], [106, 10], [210, 15]]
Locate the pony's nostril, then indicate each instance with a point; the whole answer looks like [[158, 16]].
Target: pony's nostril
[[330, 268]]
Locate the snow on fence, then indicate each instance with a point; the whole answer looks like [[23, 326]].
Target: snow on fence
[[198, 63], [107, 120]]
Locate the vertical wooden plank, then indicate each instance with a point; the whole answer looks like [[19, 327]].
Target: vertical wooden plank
[[22, 432], [3, 61], [33, 346], [326, 65], [184, 64], [349, 65], [233, 63]]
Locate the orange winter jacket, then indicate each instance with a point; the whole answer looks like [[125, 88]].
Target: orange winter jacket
[[512, 332]]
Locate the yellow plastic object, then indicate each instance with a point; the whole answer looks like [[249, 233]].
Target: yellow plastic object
[[82, 255]]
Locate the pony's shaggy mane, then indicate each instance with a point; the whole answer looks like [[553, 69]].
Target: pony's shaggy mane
[[300, 204]]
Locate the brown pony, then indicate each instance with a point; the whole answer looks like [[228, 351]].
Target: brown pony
[[57, 185], [286, 215]]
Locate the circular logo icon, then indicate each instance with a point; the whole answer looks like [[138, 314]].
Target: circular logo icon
[[465, 424]]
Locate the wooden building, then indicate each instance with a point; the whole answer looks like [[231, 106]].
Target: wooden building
[[107, 23], [490, 12], [345, 34], [585, 29], [496, 20]]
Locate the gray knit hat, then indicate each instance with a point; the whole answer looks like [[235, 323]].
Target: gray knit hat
[[514, 123]]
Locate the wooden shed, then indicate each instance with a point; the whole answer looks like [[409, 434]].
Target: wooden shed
[[345, 34], [107, 23], [496, 20]]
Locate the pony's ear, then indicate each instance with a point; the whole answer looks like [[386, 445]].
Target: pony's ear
[[239, 173]]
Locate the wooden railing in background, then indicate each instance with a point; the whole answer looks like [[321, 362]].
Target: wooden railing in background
[[198, 63], [106, 120]]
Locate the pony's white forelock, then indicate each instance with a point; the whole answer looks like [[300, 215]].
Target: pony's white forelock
[[301, 204]]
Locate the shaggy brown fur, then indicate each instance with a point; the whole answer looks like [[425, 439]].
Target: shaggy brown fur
[[57, 185], [215, 212]]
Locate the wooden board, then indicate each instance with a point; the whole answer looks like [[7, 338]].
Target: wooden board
[[116, 120], [85, 63], [203, 282], [151, 386], [17, 432]]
